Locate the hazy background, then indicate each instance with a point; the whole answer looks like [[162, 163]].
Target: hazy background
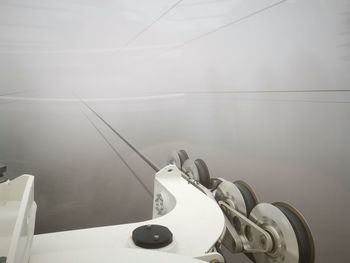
[[259, 89]]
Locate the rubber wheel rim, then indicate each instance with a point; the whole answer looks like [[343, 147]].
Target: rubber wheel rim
[[250, 201], [302, 232], [249, 196], [203, 173], [183, 156]]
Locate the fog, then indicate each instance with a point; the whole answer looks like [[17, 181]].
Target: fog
[[258, 89]]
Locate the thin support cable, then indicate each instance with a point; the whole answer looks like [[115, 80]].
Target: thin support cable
[[136, 36], [267, 91], [222, 27], [17, 92], [141, 155], [119, 155]]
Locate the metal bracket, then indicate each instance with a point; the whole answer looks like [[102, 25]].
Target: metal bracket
[[253, 238], [212, 257], [195, 184], [230, 238], [159, 204]]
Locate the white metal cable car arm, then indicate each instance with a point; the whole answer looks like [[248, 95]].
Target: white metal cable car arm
[[194, 216], [177, 205]]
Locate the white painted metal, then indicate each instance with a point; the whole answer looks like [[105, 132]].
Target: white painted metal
[[195, 220], [17, 218], [111, 255], [212, 257]]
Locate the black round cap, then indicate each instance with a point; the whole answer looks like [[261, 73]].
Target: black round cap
[[152, 236]]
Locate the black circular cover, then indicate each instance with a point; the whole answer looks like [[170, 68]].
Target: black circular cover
[[152, 236]]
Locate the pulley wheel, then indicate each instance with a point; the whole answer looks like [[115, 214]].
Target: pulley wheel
[[248, 194], [250, 201], [303, 233], [291, 235], [177, 158], [229, 193], [198, 171], [203, 171], [214, 183]]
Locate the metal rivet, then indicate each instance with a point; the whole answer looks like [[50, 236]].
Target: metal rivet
[[263, 241]]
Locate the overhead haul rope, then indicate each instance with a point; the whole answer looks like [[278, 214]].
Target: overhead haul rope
[[141, 155]]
